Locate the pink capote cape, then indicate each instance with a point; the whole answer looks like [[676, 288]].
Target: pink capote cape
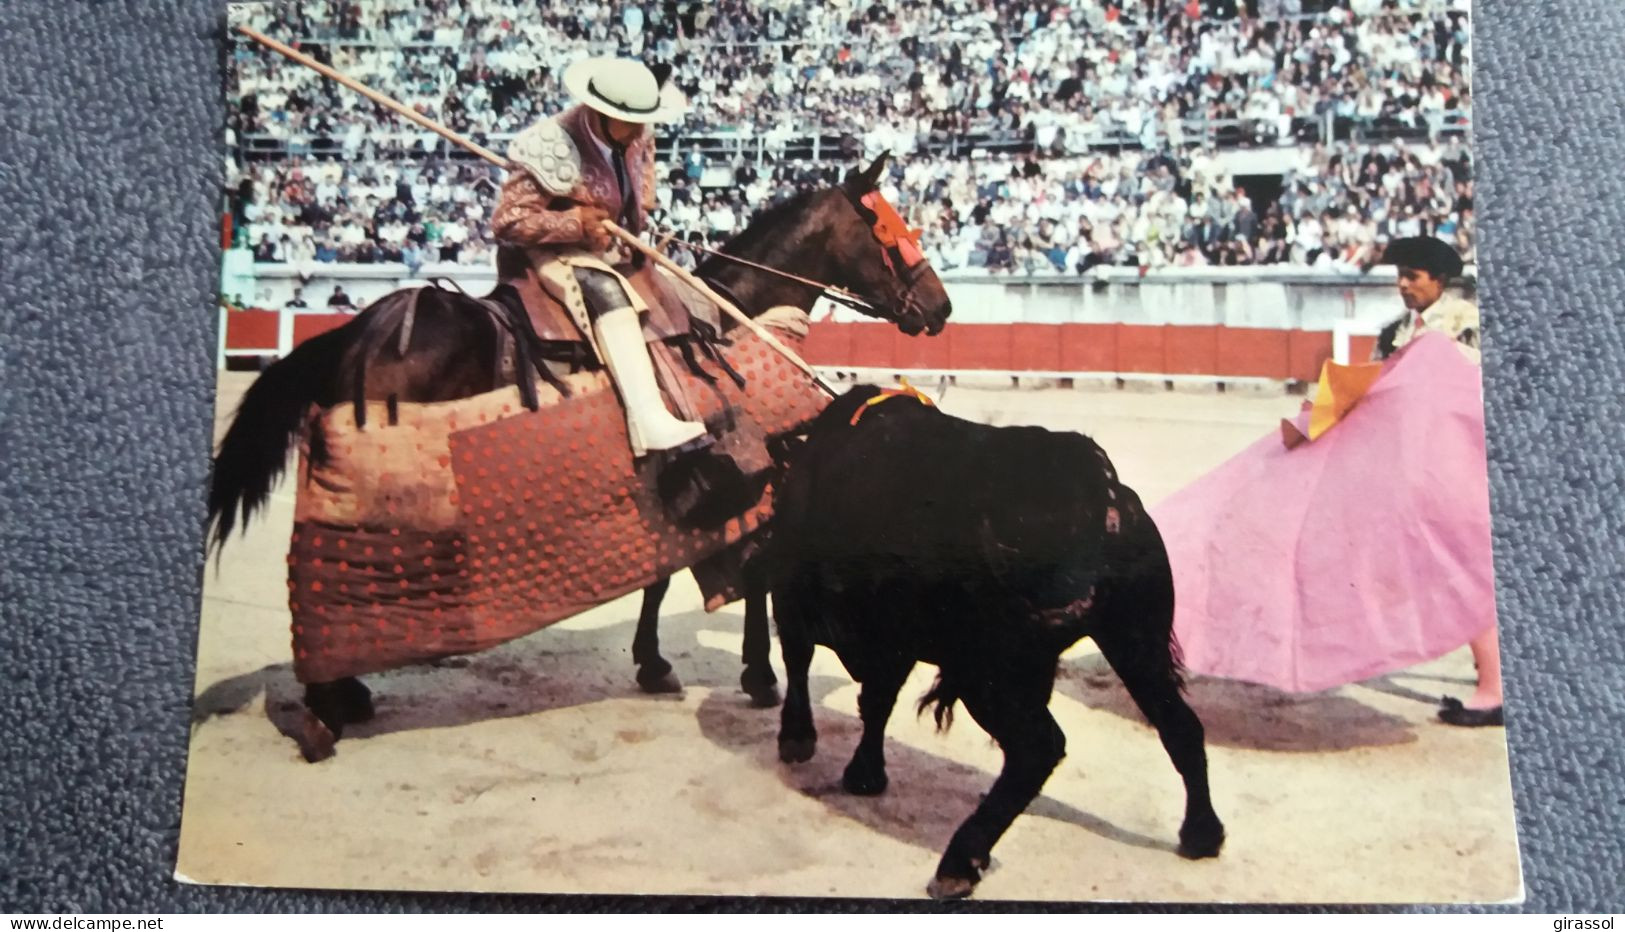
[[1363, 552]]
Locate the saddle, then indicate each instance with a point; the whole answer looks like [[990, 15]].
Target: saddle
[[673, 304]]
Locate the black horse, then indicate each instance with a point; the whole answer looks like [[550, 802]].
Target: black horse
[[903, 535], [827, 235]]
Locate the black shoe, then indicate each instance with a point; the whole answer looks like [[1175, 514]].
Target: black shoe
[[1471, 718]]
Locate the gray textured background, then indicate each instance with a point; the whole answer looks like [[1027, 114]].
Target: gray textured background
[[110, 124]]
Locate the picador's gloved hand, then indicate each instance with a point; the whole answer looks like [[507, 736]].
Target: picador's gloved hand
[[593, 233]]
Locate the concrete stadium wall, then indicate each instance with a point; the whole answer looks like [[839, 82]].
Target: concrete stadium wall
[[1254, 323]]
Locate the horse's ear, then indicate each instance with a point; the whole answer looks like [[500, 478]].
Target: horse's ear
[[867, 180]]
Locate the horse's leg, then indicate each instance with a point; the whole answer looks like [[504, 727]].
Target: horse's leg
[[1015, 712], [758, 679], [866, 774], [328, 708], [654, 672]]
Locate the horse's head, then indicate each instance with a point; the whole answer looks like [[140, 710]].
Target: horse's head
[[845, 236], [877, 257]]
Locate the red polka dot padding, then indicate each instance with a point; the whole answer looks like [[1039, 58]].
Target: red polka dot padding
[[474, 522]]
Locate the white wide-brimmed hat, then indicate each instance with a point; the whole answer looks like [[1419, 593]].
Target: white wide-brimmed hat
[[624, 89]]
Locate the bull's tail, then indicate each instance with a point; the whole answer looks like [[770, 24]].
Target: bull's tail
[[1139, 610], [254, 452], [944, 694]]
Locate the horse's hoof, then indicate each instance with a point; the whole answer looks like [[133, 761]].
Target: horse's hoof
[[863, 781], [356, 704], [762, 687], [316, 740], [797, 750], [950, 888], [1202, 840], [659, 683], [764, 697]]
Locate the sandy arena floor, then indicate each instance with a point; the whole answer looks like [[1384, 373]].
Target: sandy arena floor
[[538, 766]]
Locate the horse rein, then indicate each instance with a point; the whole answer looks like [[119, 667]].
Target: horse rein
[[834, 293], [890, 233]]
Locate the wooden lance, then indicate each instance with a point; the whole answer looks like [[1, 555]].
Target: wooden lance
[[470, 145]]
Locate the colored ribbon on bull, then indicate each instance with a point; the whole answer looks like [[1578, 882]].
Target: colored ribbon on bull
[[886, 394]]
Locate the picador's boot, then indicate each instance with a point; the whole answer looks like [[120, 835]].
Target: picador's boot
[[650, 426]]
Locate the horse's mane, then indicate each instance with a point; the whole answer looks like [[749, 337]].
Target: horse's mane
[[768, 218]]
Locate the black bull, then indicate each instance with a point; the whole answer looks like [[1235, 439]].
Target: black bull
[[914, 536]]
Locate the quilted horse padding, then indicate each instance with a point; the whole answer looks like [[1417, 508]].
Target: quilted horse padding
[[466, 524]]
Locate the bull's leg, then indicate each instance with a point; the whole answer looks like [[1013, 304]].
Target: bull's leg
[[654, 672], [1016, 714], [758, 679], [866, 774], [1147, 670], [798, 739], [328, 708]]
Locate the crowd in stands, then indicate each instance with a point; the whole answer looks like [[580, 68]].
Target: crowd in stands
[[351, 182], [910, 70]]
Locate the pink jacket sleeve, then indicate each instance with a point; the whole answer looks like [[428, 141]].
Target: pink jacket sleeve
[[523, 216]]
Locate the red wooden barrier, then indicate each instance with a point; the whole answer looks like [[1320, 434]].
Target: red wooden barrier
[[921, 351], [1308, 351], [828, 344], [1254, 352], [306, 326], [979, 346], [1088, 347], [1035, 346], [1152, 349], [1141, 348], [1190, 350], [871, 345], [252, 330]]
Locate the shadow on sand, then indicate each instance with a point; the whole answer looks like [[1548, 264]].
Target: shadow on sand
[[1249, 716], [552, 669], [928, 797]]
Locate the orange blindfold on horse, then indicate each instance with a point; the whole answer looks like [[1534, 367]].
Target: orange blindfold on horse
[[893, 231]]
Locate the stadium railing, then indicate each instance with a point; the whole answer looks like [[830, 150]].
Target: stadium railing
[[729, 145]]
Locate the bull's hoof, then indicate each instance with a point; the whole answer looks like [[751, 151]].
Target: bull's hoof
[[950, 888], [797, 750], [316, 740], [864, 781], [1201, 839], [653, 680]]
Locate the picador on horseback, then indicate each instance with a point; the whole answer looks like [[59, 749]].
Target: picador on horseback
[[455, 491], [593, 162]]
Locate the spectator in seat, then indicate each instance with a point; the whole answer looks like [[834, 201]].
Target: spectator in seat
[[340, 301]]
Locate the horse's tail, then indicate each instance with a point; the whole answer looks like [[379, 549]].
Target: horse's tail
[[254, 452]]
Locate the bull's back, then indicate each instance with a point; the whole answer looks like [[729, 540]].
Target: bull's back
[[934, 497]]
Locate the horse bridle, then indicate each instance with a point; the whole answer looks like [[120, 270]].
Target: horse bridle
[[899, 247]]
